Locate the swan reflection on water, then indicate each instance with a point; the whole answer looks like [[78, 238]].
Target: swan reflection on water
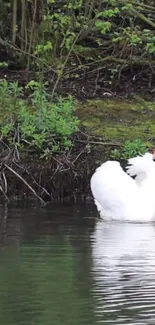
[[124, 271]]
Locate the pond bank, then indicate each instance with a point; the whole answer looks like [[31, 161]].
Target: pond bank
[[105, 125]]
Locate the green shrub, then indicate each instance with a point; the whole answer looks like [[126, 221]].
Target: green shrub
[[130, 149], [41, 123]]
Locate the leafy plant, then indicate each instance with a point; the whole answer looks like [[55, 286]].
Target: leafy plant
[[130, 149], [3, 64], [115, 154], [41, 123]]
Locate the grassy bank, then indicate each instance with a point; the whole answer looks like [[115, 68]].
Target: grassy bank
[[119, 120], [50, 149]]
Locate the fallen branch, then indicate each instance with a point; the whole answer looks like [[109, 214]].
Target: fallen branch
[[146, 6], [5, 183], [135, 60], [1, 189], [136, 13], [41, 187], [82, 151], [25, 182], [101, 143], [3, 186]]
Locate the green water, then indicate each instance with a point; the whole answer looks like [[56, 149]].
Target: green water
[[63, 266]]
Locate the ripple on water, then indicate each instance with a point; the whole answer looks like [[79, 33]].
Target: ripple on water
[[58, 268]]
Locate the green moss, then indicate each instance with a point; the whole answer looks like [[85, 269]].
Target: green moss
[[118, 120]]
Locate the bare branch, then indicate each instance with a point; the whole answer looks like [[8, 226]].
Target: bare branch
[[25, 182]]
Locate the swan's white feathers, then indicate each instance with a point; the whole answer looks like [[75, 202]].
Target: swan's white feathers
[[112, 188], [118, 196], [139, 166]]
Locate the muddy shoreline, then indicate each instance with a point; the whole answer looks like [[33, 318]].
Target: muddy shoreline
[[62, 177]]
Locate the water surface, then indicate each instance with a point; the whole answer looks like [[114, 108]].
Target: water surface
[[62, 265]]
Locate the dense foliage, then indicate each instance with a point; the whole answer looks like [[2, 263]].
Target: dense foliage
[[36, 122], [110, 39]]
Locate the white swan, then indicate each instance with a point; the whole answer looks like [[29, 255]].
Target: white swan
[[120, 197]]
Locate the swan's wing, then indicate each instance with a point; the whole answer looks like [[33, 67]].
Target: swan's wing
[[139, 166], [116, 194]]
